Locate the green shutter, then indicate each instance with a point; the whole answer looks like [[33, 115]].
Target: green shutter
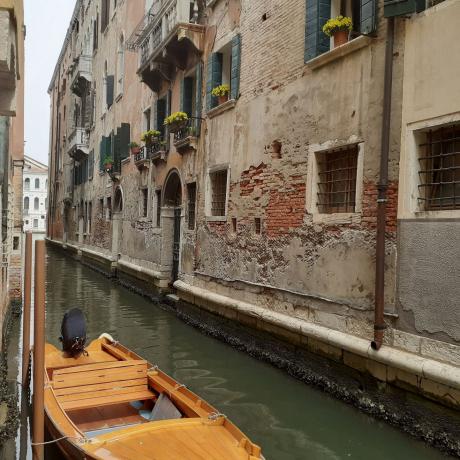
[[214, 78], [125, 137], [168, 112], [316, 41], [102, 153], [110, 89], [236, 64], [161, 115], [198, 96], [368, 17], [186, 96], [403, 7], [116, 151]]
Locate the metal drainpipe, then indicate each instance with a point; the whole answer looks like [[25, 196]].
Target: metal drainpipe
[[379, 322]]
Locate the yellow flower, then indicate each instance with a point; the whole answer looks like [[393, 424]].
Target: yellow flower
[[221, 90], [176, 116], [335, 24]]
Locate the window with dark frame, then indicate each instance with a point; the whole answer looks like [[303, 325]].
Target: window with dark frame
[[191, 194], [439, 169], [158, 204], [218, 192], [145, 201], [258, 225], [337, 170]]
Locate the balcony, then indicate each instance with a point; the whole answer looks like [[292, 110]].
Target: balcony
[[168, 38], [141, 159], [78, 144], [81, 75], [185, 138], [157, 151]]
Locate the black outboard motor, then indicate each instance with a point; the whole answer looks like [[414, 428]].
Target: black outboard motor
[[73, 330]]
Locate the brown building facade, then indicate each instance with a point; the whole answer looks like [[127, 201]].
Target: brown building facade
[[262, 207], [11, 151]]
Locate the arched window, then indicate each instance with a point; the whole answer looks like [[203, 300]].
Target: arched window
[[121, 64], [37, 183], [26, 203], [27, 184], [36, 203]]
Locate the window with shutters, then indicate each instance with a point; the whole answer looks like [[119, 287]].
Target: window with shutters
[[218, 196], [363, 14], [223, 68], [191, 196]]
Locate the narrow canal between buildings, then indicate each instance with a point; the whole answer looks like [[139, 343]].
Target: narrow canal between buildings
[[289, 419]]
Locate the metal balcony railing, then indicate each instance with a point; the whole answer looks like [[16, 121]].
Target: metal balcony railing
[[189, 129], [78, 143], [159, 22]]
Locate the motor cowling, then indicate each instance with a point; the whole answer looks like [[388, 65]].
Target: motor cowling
[[73, 332]]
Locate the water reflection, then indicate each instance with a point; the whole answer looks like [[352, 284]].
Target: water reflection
[[290, 420]]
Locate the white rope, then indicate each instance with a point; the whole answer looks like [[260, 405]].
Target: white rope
[[216, 415], [56, 440]]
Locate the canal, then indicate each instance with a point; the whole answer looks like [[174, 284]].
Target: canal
[[290, 420]]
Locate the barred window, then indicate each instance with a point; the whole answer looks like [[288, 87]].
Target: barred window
[[218, 192], [439, 169], [145, 202], [337, 171], [191, 193]]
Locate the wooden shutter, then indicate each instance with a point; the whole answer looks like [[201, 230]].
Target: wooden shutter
[[186, 96], [368, 17], [236, 64], [125, 137], [214, 78], [168, 112], [95, 32], [103, 15], [198, 96], [403, 7], [116, 139], [316, 41], [109, 88], [160, 115], [102, 152]]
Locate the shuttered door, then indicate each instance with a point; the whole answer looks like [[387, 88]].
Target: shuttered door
[[102, 152], [160, 116], [186, 96], [368, 16], [236, 64], [116, 151], [214, 78], [316, 41], [198, 96]]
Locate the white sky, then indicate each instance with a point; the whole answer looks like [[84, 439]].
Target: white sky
[[46, 24]]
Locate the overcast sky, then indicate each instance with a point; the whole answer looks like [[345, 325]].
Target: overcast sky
[[46, 22]]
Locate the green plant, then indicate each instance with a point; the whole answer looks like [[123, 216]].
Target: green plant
[[175, 117], [133, 145], [221, 90], [147, 136], [108, 160], [336, 24]]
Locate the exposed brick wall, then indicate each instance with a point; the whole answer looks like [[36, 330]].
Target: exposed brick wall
[[369, 209]]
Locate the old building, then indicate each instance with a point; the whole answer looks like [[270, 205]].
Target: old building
[[262, 207], [35, 192], [11, 150]]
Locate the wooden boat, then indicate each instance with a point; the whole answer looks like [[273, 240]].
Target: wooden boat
[[112, 404]]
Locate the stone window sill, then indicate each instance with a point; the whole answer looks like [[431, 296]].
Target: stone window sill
[[338, 218], [216, 218], [341, 51], [230, 104]]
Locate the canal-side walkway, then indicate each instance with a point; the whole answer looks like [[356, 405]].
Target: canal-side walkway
[[436, 425]]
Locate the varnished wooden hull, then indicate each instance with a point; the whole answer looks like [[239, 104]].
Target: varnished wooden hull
[[90, 402]]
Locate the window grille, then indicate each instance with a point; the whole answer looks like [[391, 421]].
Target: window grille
[[258, 225], [191, 192], [145, 201], [218, 192], [337, 180], [439, 169], [158, 202]]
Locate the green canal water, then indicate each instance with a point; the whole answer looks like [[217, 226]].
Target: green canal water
[[290, 420]]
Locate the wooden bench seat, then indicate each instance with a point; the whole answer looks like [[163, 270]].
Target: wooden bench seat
[[100, 384]]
